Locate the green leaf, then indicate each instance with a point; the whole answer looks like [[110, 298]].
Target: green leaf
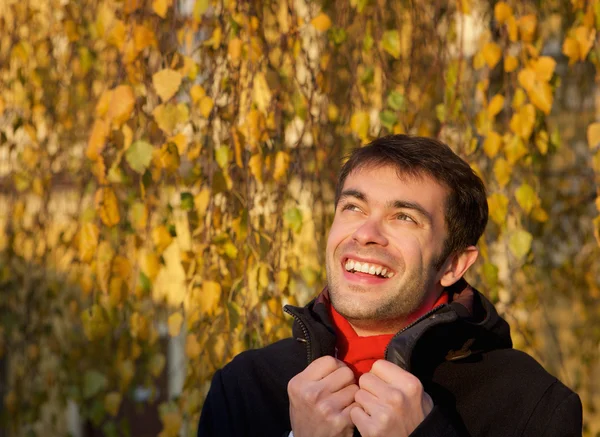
[[139, 156], [396, 101], [93, 383], [368, 42], [498, 206], [391, 43], [490, 274], [337, 35], [440, 112], [388, 119], [293, 219], [519, 243], [222, 156], [187, 201]]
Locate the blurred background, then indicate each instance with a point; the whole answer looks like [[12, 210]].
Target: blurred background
[[167, 170]]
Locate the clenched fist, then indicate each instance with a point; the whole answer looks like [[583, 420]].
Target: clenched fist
[[321, 398], [390, 402]]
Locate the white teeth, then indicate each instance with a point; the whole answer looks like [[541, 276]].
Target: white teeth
[[357, 266]]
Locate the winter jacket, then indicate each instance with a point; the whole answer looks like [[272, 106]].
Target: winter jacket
[[461, 352]]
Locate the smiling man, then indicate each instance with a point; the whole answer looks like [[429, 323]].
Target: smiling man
[[397, 344]]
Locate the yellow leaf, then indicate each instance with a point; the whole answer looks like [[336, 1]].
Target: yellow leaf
[[526, 197], [160, 7], [498, 206], [256, 167], [126, 372], [585, 40], [527, 25], [491, 53], [112, 402], [478, 61], [541, 142], [192, 346], [168, 116], [321, 22], [513, 29], [234, 49], [539, 214], [502, 12], [519, 243], [544, 68], [197, 92], [593, 135], [541, 96], [360, 124], [495, 105], [201, 201], [518, 99], [174, 322], [104, 259], [118, 34], [88, 241], [492, 144], [522, 122], [161, 237], [149, 264], [130, 6], [127, 136], [464, 6], [571, 49], [206, 105], [97, 140], [282, 162], [107, 206], [502, 171], [138, 216], [510, 63], [121, 105], [143, 37], [103, 103], [210, 297], [166, 83], [515, 149], [261, 94], [526, 78]]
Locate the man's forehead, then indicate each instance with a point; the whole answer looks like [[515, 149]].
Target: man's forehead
[[402, 174]]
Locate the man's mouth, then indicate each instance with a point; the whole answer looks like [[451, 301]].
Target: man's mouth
[[370, 268]]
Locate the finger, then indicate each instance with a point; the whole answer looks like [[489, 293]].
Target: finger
[[390, 372], [321, 367], [343, 398], [339, 379], [361, 420], [372, 383], [368, 402]]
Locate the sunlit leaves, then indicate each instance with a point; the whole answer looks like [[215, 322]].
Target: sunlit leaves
[[166, 83], [160, 7], [491, 53], [360, 123], [260, 92], [282, 162], [107, 206], [578, 44], [174, 323], [321, 22], [169, 116], [391, 43], [519, 243], [88, 241], [210, 297], [139, 156], [502, 12], [498, 206], [121, 104], [526, 197], [593, 135]]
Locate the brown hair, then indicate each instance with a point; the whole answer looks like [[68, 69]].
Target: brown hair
[[466, 206]]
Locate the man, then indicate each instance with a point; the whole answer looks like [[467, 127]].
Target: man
[[398, 343]]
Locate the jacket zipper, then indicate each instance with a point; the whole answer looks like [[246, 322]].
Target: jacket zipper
[[304, 331], [410, 325]]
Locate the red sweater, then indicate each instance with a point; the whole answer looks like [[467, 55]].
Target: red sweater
[[359, 353]]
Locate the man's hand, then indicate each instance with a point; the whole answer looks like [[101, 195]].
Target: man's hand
[[321, 398], [391, 402]]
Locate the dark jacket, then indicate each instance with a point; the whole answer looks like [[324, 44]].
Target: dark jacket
[[461, 352]]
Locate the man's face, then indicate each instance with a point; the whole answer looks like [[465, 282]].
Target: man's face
[[395, 229]]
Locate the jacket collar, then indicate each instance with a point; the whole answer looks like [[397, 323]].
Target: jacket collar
[[468, 325]]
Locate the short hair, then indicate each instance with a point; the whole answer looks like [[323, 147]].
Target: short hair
[[466, 213]]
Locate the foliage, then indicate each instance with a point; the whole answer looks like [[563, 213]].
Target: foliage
[[169, 169]]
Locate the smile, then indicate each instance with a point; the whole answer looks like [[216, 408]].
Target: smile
[[369, 268]]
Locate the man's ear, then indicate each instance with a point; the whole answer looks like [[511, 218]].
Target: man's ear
[[457, 264]]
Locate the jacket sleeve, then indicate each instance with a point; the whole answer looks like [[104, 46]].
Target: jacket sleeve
[[439, 423], [558, 414], [216, 419]]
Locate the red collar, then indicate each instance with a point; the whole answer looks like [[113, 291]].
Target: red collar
[[359, 353]]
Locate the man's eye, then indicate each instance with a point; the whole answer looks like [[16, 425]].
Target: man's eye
[[350, 207], [403, 216]]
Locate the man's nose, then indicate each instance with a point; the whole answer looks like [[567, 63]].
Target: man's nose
[[370, 232]]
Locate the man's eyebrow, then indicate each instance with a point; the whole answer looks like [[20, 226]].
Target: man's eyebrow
[[405, 204], [353, 193]]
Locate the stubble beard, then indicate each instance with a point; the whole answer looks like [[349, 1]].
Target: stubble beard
[[392, 305]]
